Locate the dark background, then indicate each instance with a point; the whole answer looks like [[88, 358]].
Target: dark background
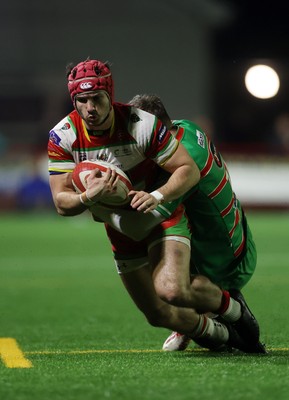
[[259, 33], [192, 53]]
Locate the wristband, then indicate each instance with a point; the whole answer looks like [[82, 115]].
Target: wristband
[[88, 202], [158, 196]]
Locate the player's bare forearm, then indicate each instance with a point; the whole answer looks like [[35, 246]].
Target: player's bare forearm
[[66, 200], [185, 174], [68, 204], [182, 180]]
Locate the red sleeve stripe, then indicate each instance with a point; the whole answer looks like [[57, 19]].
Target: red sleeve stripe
[[239, 250], [219, 188], [207, 166], [228, 208], [237, 219], [180, 133], [209, 162]]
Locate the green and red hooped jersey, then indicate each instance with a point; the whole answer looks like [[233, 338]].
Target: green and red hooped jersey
[[214, 212], [137, 143]]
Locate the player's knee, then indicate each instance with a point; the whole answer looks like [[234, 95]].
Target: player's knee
[[172, 294]]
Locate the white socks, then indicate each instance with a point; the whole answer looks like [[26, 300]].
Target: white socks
[[210, 328], [233, 312]]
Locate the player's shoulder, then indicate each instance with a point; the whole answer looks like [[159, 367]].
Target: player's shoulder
[[66, 123], [138, 121], [64, 131], [190, 132], [189, 125], [135, 114]]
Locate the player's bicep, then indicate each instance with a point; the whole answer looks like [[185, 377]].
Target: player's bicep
[[180, 158]]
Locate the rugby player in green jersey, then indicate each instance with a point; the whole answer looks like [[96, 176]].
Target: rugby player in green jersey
[[222, 245]]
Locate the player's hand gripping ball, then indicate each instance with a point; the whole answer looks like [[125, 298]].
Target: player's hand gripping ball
[[82, 171]]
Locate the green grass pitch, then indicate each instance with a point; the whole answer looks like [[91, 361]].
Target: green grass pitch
[[62, 302]]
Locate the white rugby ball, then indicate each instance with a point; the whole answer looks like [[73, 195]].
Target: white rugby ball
[[82, 171]]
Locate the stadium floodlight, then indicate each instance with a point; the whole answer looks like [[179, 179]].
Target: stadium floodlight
[[262, 81]]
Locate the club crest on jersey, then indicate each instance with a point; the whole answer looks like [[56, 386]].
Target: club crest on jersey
[[54, 138], [162, 133], [66, 126]]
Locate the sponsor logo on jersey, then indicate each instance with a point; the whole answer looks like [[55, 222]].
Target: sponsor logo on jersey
[[134, 118], [201, 139], [53, 154], [162, 133], [66, 126], [86, 85], [82, 157], [54, 138], [122, 152]]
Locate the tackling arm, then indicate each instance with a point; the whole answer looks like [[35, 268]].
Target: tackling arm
[[184, 175]]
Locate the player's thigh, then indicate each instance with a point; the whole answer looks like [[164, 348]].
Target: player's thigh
[[169, 250], [140, 287], [170, 260]]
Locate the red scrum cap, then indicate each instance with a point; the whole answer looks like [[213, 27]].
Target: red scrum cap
[[88, 76]]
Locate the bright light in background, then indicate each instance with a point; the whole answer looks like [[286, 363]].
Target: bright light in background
[[262, 81]]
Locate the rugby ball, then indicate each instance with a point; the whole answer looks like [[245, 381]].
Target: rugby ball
[[82, 171]]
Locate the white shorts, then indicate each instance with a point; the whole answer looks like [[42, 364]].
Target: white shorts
[[124, 266]]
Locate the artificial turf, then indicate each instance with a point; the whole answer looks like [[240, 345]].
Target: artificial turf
[[62, 301]]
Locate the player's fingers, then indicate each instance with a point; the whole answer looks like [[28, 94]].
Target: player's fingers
[[143, 201], [138, 198], [113, 176], [147, 206], [95, 173], [107, 175], [115, 182]]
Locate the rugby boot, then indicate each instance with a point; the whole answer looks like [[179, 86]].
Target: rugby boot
[[239, 343], [247, 326]]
